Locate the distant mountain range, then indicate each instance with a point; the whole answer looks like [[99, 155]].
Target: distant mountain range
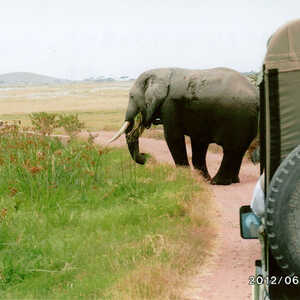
[[26, 78]]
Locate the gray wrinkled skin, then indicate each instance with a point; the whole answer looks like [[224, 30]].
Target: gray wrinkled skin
[[210, 106]]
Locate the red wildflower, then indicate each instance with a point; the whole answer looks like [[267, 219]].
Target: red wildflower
[[34, 170], [13, 191]]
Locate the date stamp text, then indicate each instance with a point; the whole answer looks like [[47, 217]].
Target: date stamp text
[[273, 280]]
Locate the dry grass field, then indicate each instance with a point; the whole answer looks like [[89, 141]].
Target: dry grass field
[[100, 105]]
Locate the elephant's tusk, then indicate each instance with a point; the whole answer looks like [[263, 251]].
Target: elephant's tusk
[[119, 133]]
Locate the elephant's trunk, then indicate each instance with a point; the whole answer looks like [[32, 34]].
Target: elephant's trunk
[[133, 133], [133, 128], [133, 147]]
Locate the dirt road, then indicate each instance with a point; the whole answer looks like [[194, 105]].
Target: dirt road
[[225, 275]]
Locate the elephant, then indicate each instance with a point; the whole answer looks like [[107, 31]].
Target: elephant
[[216, 105]]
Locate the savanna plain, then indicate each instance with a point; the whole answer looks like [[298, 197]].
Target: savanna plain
[[78, 221]]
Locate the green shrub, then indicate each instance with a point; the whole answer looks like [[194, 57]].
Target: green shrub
[[45, 123]]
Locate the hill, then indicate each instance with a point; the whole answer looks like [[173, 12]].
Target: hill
[[26, 78]]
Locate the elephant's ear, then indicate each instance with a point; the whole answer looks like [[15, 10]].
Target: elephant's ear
[[156, 91]]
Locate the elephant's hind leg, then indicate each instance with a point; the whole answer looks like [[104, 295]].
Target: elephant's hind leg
[[199, 151], [230, 167], [236, 167]]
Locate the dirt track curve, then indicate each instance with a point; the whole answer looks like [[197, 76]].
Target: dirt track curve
[[225, 275]]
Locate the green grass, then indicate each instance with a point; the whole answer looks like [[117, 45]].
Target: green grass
[[77, 222]]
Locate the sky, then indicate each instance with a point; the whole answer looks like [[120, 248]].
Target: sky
[[78, 39]]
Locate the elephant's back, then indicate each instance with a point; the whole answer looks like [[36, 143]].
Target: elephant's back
[[237, 84], [215, 85], [222, 82], [212, 84]]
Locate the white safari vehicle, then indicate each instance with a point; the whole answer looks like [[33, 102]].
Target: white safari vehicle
[[277, 272]]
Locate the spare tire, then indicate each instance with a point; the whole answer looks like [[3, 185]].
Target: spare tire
[[283, 214]]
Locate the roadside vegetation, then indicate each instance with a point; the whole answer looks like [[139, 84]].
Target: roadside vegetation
[[81, 222]]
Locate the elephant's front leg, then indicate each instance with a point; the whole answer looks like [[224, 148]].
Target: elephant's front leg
[[229, 170], [199, 151], [177, 147]]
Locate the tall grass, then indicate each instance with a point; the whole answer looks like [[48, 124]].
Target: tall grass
[[78, 222]]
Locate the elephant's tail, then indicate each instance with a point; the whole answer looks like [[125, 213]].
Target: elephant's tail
[[254, 151]]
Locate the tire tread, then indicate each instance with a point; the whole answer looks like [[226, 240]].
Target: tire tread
[[280, 177]]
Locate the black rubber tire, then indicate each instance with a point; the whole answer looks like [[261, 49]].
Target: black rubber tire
[[283, 214]]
